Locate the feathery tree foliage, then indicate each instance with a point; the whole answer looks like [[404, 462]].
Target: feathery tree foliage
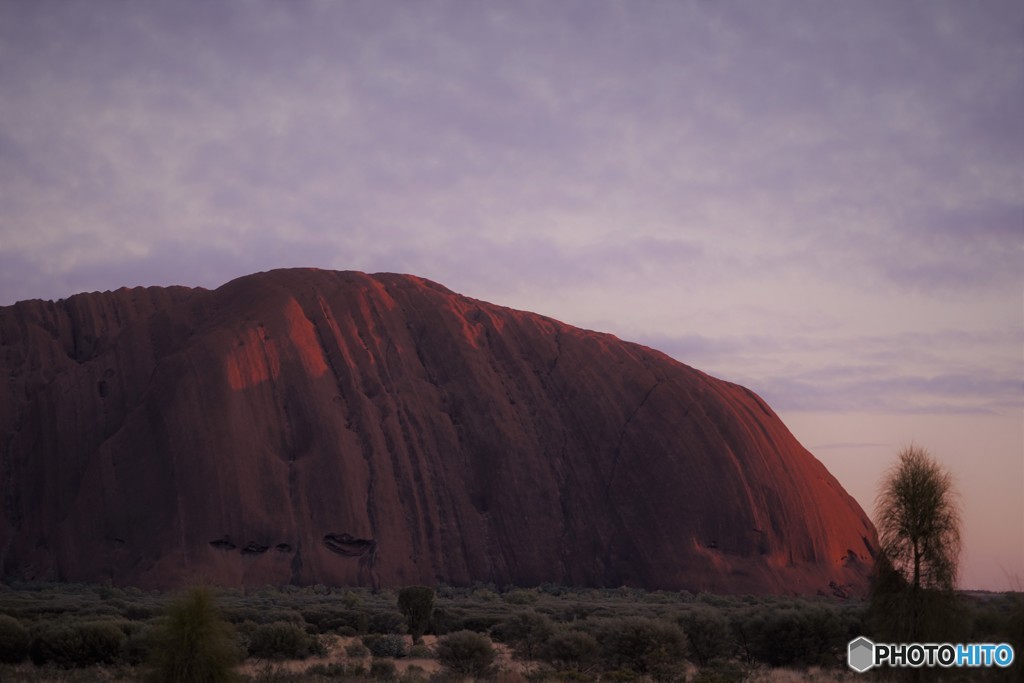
[[918, 523], [194, 644], [417, 604]]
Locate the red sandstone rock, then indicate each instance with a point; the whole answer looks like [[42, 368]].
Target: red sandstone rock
[[309, 426]]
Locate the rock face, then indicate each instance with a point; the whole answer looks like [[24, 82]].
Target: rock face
[[304, 426]]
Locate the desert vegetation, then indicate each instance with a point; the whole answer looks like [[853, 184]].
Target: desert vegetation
[[63, 632], [913, 592]]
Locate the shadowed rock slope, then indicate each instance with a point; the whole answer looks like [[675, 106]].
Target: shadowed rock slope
[[312, 426]]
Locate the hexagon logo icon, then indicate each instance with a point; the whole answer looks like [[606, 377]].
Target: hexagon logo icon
[[860, 654]]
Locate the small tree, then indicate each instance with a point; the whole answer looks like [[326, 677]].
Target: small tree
[[194, 644], [417, 604], [918, 522]]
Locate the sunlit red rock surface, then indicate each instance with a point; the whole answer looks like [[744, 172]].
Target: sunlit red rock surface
[[319, 427]]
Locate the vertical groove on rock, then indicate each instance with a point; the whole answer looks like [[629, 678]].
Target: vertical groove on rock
[[617, 453]]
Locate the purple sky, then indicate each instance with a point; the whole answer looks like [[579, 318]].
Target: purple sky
[[821, 200]]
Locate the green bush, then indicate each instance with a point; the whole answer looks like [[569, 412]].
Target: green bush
[[77, 644], [239, 615], [327, 620], [383, 670], [193, 644], [272, 616], [708, 634], [356, 650], [139, 612], [387, 621], [280, 640], [443, 621], [420, 651], [415, 674], [345, 622], [135, 649], [315, 615], [800, 634], [643, 645], [570, 650], [525, 632], [14, 640], [520, 597], [466, 653], [385, 645]]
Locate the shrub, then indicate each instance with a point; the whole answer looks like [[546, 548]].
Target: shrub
[[525, 632], [332, 670], [417, 604], [315, 615], [570, 650], [135, 649], [387, 621], [77, 644], [238, 615], [346, 622], [466, 653], [270, 616], [420, 651], [14, 640], [389, 645], [520, 597], [646, 646], [383, 670], [280, 641], [707, 632], [414, 674], [139, 612], [194, 644], [442, 621], [317, 647], [356, 650], [799, 634]]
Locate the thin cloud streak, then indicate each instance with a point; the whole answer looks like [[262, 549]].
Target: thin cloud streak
[[948, 371], [847, 445]]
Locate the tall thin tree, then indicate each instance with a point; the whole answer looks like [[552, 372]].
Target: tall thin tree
[[194, 644], [918, 521]]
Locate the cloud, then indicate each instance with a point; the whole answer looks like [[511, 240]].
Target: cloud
[[937, 372], [725, 179], [744, 122], [847, 445], [979, 393], [820, 201]]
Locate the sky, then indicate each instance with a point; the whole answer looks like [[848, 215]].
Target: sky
[[820, 200]]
